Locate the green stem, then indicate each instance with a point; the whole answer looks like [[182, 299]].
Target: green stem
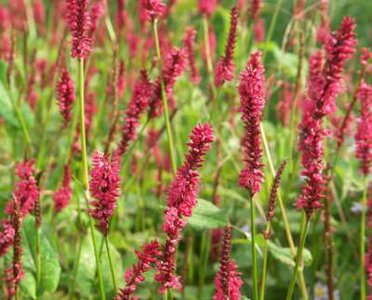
[[85, 175], [264, 267], [38, 261], [207, 45], [253, 249], [76, 267], [304, 227], [111, 265], [165, 102], [363, 243], [302, 283]]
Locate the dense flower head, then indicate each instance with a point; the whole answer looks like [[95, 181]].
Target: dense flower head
[[259, 30], [189, 45], [153, 9], [65, 95], [255, 9], [228, 280], [207, 7], [104, 186], [6, 237], [26, 190], [146, 258], [182, 197], [252, 96], [137, 105], [365, 56], [62, 196], [39, 12], [79, 22], [174, 65], [363, 136], [4, 18], [225, 67], [121, 14]]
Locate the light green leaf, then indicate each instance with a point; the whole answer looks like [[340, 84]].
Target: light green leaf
[[207, 216], [285, 256]]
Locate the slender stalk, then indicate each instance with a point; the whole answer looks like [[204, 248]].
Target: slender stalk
[[304, 227], [111, 265], [302, 283], [207, 45], [264, 266], [76, 267], [165, 102], [363, 243], [38, 261], [84, 160], [253, 249]]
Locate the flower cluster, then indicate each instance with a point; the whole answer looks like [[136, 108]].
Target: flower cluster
[[26, 190], [6, 237], [323, 88], [79, 22], [227, 281], [255, 9], [137, 105], [104, 187], [174, 65], [252, 96], [189, 45], [363, 136], [153, 9], [207, 7], [146, 258], [96, 12], [62, 196], [225, 67], [182, 197], [65, 95]]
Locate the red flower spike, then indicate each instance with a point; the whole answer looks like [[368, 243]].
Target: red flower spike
[[146, 258], [252, 96], [104, 186], [207, 7], [182, 197], [225, 67], [6, 237], [153, 9], [228, 280], [65, 95], [189, 45], [62, 196], [79, 23]]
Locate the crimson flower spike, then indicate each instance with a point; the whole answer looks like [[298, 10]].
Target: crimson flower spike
[[65, 95], [62, 196], [363, 136], [146, 258], [154, 9], [182, 198], [207, 7], [228, 280], [189, 45], [225, 67], [104, 187], [252, 96], [323, 88], [79, 23], [137, 105]]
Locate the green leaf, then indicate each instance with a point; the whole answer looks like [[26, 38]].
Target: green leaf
[[285, 256], [6, 110], [207, 216], [50, 267]]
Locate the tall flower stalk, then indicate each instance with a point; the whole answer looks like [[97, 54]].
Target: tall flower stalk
[[79, 23]]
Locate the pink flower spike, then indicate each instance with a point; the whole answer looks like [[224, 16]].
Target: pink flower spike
[[225, 67], [104, 186], [207, 7], [62, 196], [189, 45], [154, 9], [79, 23], [65, 95], [6, 237], [96, 12], [252, 96]]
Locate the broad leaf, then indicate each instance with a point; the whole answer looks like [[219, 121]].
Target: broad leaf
[[207, 216]]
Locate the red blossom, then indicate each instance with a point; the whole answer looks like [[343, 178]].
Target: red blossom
[[153, 9], [6, 237], [252, 96], [65, 95], [137, 105], [207, 7], [255, 9], [363, 136], [79, 22], [104, 186], [228, 280], [189, 45], [62, 196], [96, 12], [182, 197], [225, 67], [259, 30]]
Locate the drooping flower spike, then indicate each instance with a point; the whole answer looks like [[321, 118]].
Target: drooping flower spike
[[252, 97], [225, 67], [182, 197]]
